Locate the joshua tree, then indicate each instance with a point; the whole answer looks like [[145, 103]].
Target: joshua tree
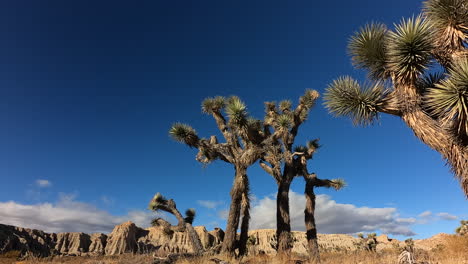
[[463, 228], [281, 161], [243, 147], [311, 183], [159, 203], [369, 243], [433, 105]]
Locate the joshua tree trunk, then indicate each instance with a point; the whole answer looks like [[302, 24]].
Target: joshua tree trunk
[[244, 235], [183, 225], [237, 191], [283, 226], [187, 227], [193, 235], [311, 229], [429, 131]]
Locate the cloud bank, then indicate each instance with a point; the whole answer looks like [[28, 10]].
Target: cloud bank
[[333, 217], [68, 215]]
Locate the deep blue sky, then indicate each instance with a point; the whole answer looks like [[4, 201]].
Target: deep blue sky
[[89, 89]]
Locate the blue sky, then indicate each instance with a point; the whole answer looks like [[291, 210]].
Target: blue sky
[[88, 91]]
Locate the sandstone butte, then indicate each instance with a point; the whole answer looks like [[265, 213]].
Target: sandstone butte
[[128, 238]]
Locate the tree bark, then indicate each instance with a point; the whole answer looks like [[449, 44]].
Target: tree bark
[[311, 229], [230, 237], [195, 239], [186, 227], [244, 235], [439, 139], [283, 225], [431, 133]]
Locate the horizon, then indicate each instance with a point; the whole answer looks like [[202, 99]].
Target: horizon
[[87, 101]]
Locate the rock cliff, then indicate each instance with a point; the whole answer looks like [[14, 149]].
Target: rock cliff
[[161, 241]]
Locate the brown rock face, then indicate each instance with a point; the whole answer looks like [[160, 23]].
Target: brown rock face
[[72, 243], [264, 240], [27, 241], [162, 240], [123, 239], [98, 244]]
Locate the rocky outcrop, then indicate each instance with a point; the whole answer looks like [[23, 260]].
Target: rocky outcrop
[[98, 244], [264, 241], [123, 239], [72, 244], [162, 240], [26, 241]]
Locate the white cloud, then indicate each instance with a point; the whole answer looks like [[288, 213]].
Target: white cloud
[[333, 217], [43, 183], [425, 214], [107, 200], [209, 204], [223, 214], [410, 220], [68, 215], [447, 216]]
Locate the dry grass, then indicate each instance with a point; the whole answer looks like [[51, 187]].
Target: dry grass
[[454, 250]]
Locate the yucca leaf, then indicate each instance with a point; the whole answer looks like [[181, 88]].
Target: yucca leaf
[[345, 97], [210, 105], [409, 49], [190, 215], [157, 202], [254, 124], [313, 144], [309, 98], [338, 184], [284, 121], [450, 20], [236, 111], [449, 98], [302, 149], [285, 105], [367, 48], [270, 106], [184, 133], [429, 81]]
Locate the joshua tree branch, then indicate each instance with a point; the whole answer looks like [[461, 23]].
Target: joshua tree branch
[[222, 126], [390, 105], [266, 168], [272, 170], [323, 183]]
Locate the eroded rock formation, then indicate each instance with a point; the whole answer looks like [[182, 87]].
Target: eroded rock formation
[[162, 240]]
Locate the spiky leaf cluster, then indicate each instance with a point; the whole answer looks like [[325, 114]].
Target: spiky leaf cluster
[[450, 20], [338, 184], [309, 98], [429, 81], [212, 105], [300, 149], [449, 98], [236, 111], [367, 48], [409, 49], [184, 134], [285, 105], [345, 97], [254, 124], [159, 202], [190, 215], [313, 144], [463, 228], [284, 121]]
